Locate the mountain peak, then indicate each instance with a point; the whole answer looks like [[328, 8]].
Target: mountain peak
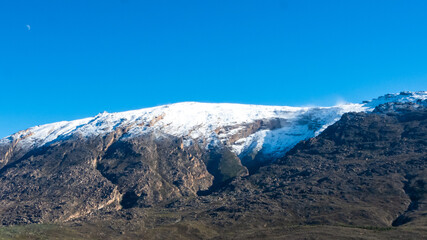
[[404, 96]]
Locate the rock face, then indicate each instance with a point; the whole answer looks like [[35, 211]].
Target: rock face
[[75, 177], [369, 168]]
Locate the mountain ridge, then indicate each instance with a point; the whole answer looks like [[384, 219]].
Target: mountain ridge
[[248, 130]]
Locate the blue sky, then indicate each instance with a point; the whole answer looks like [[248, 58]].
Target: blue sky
[[63, 60]]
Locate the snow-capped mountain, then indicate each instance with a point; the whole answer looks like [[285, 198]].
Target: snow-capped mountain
[[226, 159], [246, 129]]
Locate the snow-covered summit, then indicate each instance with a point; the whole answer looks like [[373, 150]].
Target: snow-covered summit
[[246, 129], [402, 97]]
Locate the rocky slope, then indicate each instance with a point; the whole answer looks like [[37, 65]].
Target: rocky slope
[[364, 177], [368, 168]]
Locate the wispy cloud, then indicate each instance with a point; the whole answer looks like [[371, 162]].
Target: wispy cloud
[[28, 27], [340, 101]]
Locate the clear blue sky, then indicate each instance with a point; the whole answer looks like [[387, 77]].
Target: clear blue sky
[[69, 59]]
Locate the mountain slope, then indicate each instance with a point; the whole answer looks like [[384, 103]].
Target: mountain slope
[[366, 169], [189, 157], [362, 178]]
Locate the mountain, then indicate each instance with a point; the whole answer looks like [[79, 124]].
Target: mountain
[[223, 166]]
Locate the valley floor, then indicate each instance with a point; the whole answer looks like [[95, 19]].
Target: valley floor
[[195, 230]]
